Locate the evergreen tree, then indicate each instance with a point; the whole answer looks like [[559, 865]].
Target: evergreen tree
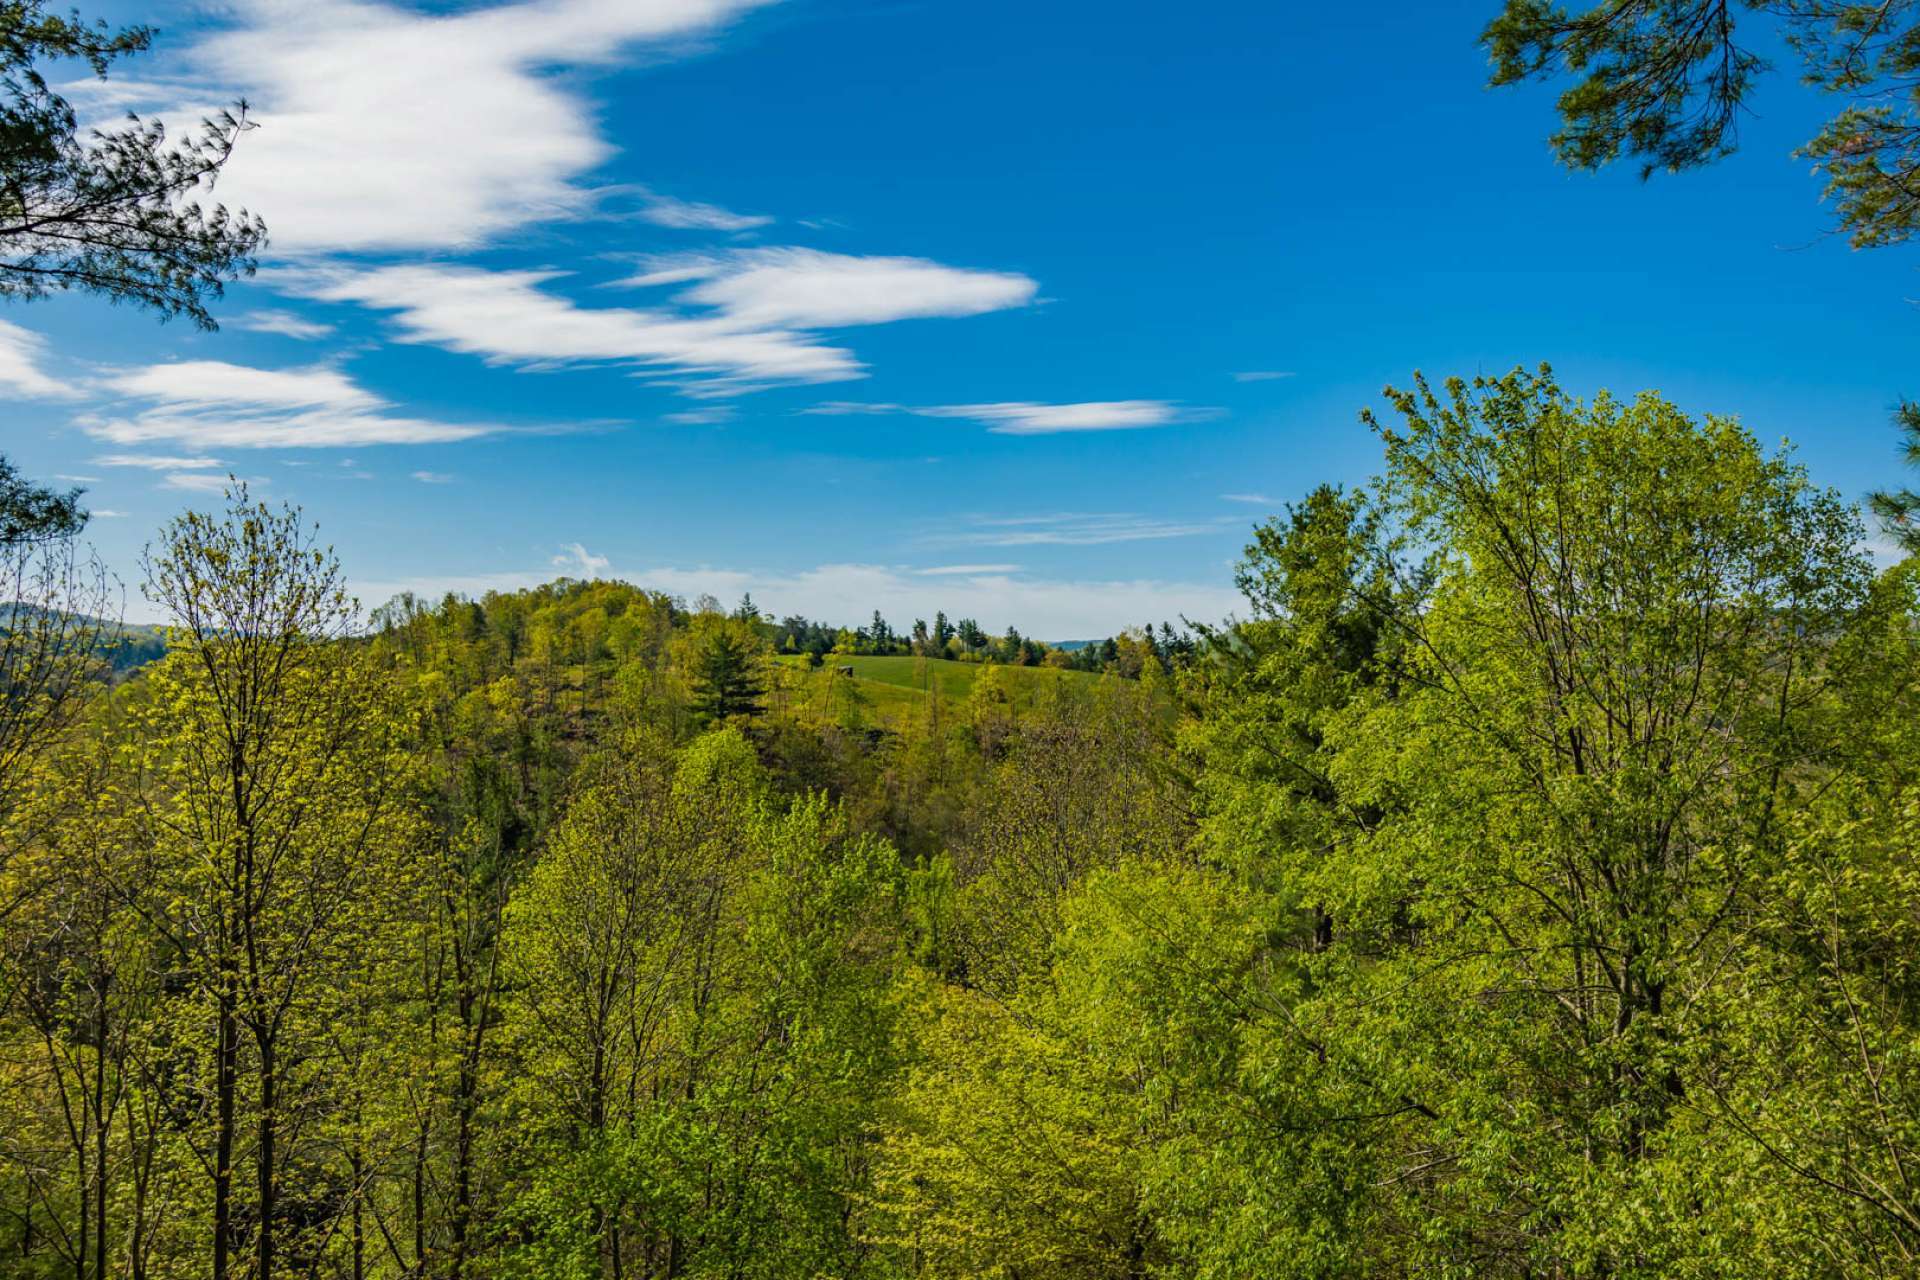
[[1666, 84], [1898, 508], [117, 214], [32, 513], [725, 671]]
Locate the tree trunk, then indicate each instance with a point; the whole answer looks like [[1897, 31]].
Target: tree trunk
[[225, 1083], [359, 1224], [102, 1125], [265, 1156]]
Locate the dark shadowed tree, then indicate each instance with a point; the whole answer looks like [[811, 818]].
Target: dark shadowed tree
[[1898, 508], [1665, 82], [724, 667], [117, 212], [34, 513]]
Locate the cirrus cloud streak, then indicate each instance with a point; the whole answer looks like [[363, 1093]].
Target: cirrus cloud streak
[[211, 404], [750, 319]]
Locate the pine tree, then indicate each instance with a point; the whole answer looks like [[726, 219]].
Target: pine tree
[[116, 213], [725, 673]]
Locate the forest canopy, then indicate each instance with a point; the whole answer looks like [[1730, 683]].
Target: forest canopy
[[1522, 885]]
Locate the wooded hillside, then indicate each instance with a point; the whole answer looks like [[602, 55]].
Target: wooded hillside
[[1523, 885]]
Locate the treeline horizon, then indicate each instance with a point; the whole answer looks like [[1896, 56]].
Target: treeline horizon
[[129, 645]]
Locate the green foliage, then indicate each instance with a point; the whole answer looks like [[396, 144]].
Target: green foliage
[[1899, 508], [726, 669], [705, 1022], [1524, 887], [949, 679], [31, 513]]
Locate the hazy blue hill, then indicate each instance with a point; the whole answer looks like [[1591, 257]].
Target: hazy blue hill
[[126, 646]]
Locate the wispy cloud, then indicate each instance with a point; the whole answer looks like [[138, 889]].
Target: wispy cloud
[[21, 352], [710, 416], [505, 317], [432, 477], [364, 105], [689, 215], [1026, 418], [1253, 499], [210, 404], [1035, 418], [157, 462], [476, 106], [1075, 529], [191, 474], [576, 561], [210, 383], [811, 289], [967, 570], [202, 482], [853, 408], [1262, 375], [286, 323], [750, 321]]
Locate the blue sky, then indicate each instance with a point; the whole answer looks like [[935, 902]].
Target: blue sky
[[1022, 310]]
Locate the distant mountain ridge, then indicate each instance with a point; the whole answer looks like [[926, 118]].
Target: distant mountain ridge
[[126, 646]]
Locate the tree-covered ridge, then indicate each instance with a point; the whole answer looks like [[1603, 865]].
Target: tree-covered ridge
[[1522, 886]]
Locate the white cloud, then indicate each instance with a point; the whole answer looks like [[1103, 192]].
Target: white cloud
[[1076, 529], [201, 482], [210, 404], [852, 408], [751, 328], [20, 355], [708, 417], [505, 318], [362, 106], [688, 215], [1024, 418], [1254, 499], [194, 475], [205, 383], [967, 570], [810, 289], [106, 513], [320, 429], [285, 323], [157, 462], [1050, 608], [576, 561], [1262, 375], [432, 477], [1032, 418]]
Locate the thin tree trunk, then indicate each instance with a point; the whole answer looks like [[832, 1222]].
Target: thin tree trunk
[[102, 1124], [225, 1083], [265, 1156], [359, 1225]]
